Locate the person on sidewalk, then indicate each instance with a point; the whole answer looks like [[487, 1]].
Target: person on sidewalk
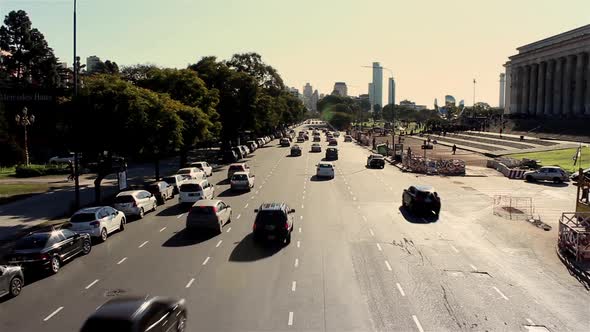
[[454, 148], [70, 169], [500, 132]]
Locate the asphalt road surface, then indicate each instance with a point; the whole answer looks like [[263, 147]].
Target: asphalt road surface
[[357, 262]]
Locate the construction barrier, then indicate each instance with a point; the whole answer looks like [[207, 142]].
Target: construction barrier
[[574, 235], [419, 164], [513, 208], [516, 173], [505, 170]]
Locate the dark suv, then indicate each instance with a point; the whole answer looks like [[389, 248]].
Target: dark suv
[[331, 154], [419, 199], [274, 222]]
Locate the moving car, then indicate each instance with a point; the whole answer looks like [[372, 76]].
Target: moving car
[[336, 134], [547, 173], [317, 139], [98, 222], [49, 250], [420, 199], [135, 202], [203, 166], [238, 167], [325, 169], [175, 181], [285, 142], [376, 160], [208, 214], [331, 154], [161, 190], [347, 138], [62, 159], [192, 173], [333, 142], [315, 147], [134, 314], [194, 190], [11, 280], [274, 222], [300, 139], [295, 150], [241, 181]]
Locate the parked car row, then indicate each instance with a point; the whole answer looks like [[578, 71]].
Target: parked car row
[[237, 153]]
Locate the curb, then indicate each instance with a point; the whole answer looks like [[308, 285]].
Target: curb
[[573, 268]]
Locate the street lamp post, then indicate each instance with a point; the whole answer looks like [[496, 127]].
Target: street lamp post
[[76, 68], [25, 120]]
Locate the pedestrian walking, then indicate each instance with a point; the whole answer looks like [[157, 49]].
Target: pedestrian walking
[[454, 148], [500, 132], [70, 169]]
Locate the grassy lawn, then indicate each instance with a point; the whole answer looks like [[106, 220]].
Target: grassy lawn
[[562, 158], [12, 191], [7, 171]]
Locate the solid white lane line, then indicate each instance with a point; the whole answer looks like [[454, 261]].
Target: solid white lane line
[[303, 198], [53, 314], [350, 192], [388, 266], [298, 244], [417, 322], [455, 249], [162, 229], [180, 216], [290, 322], [371, 231], [190, 282], [473, 267], [299, 229], [530, 321], [259, 187], [302, 206], [91, 284], [296, 262], [143, 244], [364, 218], [257, 192], [301, 217], [401, 290], [245, 206], [294, 286], [218, 244], [252, 197], [229, 229], [239, 215], [206, 260], [121, 261], [499, 292], [379, 247]]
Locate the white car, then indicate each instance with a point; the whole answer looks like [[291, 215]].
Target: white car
[[135, 202], [62, 159], [242, 181], [325, 169], [192, 173], [98, 222], [175, 180], [194, 190], [315, 147], [208, 214], [203, 166]]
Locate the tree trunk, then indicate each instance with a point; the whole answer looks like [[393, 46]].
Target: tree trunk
[[97, 189], [183, 157], [157, 167]]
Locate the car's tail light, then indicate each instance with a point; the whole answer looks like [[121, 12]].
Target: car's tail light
[[254, 227], [43, 257], [95, 224], [287, 226]]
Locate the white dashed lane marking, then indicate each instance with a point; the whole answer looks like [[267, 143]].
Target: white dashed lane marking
[[296, 262], [364, 218], [190, 282], [379, 247], [91, 284], [473, 267], [301, 217], [229, 229], [298, 244], [162, 229], [401, 290], [388, 266], [218, 244], [530, 321], [454, 249], [238, 217], [500, 292], [417, 322], [180, 216], [53, 314], [246, 206], [371, 231], [206, 260], [143, 244], [299, 229], [122, 260], [290, 322], [294, 286]]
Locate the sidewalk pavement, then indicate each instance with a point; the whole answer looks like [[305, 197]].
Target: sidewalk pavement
[[22, 215]]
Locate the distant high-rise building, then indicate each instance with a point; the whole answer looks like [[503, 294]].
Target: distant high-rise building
[[294, 91], [391, 99], [411, 105], [371, 95], [307, 94], [314, 101], [91, 63], [502, 90], [340, 89], [377, 84]]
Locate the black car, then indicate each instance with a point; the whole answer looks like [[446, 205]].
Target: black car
[[161, 190], [295, 150], [274, 222], [316, 138], [331, 154], [375, 161], [131, 314], [421, 199], [49, 250]]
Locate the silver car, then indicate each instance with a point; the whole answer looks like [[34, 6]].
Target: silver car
[[11, 280], [547, 173], [208, 214]]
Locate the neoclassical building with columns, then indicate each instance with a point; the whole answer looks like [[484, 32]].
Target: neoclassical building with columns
[[550, 77]]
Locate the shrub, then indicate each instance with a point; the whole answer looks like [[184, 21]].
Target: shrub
[[23, 171]]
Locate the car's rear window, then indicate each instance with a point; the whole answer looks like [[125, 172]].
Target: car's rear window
[[325, 166], [184, 171], [239, 177], [170, 179], [236, 168], [83, 217], [203, 210], [190, 187], [124, 199], [271, 218], [34, 241], [96, 324]]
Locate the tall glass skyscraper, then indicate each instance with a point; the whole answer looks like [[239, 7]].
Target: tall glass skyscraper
[[391, 99], [377, 84]]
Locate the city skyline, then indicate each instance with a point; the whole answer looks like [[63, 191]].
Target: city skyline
[[428, 61]]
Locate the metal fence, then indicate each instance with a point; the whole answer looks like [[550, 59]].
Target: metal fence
[[574, 235], [513, 208]]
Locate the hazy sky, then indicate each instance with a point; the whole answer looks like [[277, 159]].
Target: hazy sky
[[434, 47]]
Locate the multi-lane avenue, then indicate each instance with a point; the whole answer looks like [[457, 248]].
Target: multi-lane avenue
[[356, 261]]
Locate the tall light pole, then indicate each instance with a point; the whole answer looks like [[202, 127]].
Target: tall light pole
[[24, 120], [76, 170], [474, 82]]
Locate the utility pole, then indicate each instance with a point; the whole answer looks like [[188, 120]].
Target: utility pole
[[76, 68], [474, 92]]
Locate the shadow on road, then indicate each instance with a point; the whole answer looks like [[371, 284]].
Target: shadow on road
[[315, 178], [417, 219], [549, 184], [186, 238], [222, 182], [248, 250], [231, 193], [173, 210]]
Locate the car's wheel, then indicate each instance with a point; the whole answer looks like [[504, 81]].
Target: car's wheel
[[55, 264], [103, 235], [557, 180], [16, 286], [181, 323], [530, 178], [86, 247], [155, 206], [122, 225], [141, 213]]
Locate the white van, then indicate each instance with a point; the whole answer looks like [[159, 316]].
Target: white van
[[193, 190]]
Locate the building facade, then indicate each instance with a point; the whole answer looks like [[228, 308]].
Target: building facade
[[91, 63], [391, 98], [314, 101], [550, 77], [502, 89], [307, 94], [340, 89], [377, 84]]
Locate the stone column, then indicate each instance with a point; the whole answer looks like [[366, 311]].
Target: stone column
[[540, 102], [515, 90], [567, 85], [587, 79], [549, 87], [533, 89], [526, 89], [557, 81], [578, 104]]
